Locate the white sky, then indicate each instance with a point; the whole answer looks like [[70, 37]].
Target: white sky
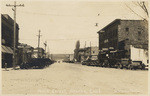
[[62, 23]]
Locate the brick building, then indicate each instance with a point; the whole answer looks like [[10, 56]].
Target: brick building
[[7, 38], [122, 34]]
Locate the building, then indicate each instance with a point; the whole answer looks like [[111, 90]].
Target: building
[[92, 52], [81, 54], [71, 57], [62, 57], [125, 35], [7, 39], [25, 53], [38, 53]]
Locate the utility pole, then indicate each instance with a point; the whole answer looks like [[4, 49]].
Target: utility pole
[[45, 44], [90, 48], [39, 42], [48, 53], [14, 42], [85, 50]]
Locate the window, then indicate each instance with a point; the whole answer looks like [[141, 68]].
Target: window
[[139, 35], [139, 32], [127, 29], [139, 28]]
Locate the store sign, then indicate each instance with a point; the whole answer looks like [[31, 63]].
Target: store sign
[[29, 51], [111, 48], [104, 49]]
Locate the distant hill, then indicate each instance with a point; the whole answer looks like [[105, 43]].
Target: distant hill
[[62, 56]]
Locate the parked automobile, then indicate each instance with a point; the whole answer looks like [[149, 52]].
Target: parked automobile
[[36, 63], [124, 63], [136, 65], [90, 62]]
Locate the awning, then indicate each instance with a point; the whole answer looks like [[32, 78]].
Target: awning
[[6, 49]]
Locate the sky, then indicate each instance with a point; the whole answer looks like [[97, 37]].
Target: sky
[[62, 23]]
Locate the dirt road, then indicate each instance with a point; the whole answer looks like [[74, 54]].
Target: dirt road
[[65, 78]]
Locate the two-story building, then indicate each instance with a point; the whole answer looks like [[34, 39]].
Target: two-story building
[[7, 38], [127, 36]]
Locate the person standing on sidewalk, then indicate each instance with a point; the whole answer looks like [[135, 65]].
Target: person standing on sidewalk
[[5, 66]]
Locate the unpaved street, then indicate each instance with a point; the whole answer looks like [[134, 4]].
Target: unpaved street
[[68, 78]]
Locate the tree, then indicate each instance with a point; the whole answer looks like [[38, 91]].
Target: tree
[[76, 51], [143, 5]]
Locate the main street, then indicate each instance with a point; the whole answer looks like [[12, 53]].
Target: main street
[[69, 78]]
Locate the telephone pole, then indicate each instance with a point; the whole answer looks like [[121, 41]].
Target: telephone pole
[[90, 48], [14, 42], [48, 53], [39, 42]]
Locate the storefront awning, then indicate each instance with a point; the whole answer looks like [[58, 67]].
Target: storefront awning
[[6, 49]]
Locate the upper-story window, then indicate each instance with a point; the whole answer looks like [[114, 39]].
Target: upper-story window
[[139, 35], [127, 29], [139, 32]]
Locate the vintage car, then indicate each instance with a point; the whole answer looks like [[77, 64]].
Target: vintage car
[[90, 61], [36, 63], [136, 65], [123, 63]]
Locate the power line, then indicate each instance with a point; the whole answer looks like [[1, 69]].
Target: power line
[[66, 39], [36, 13]]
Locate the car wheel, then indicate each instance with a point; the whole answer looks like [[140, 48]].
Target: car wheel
[[130, 67]]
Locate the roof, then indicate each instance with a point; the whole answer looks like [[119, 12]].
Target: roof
[[22, 45], [8, 19], [116, 20], [109, 24]]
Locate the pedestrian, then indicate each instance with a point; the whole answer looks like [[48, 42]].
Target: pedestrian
[[5, 66]]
